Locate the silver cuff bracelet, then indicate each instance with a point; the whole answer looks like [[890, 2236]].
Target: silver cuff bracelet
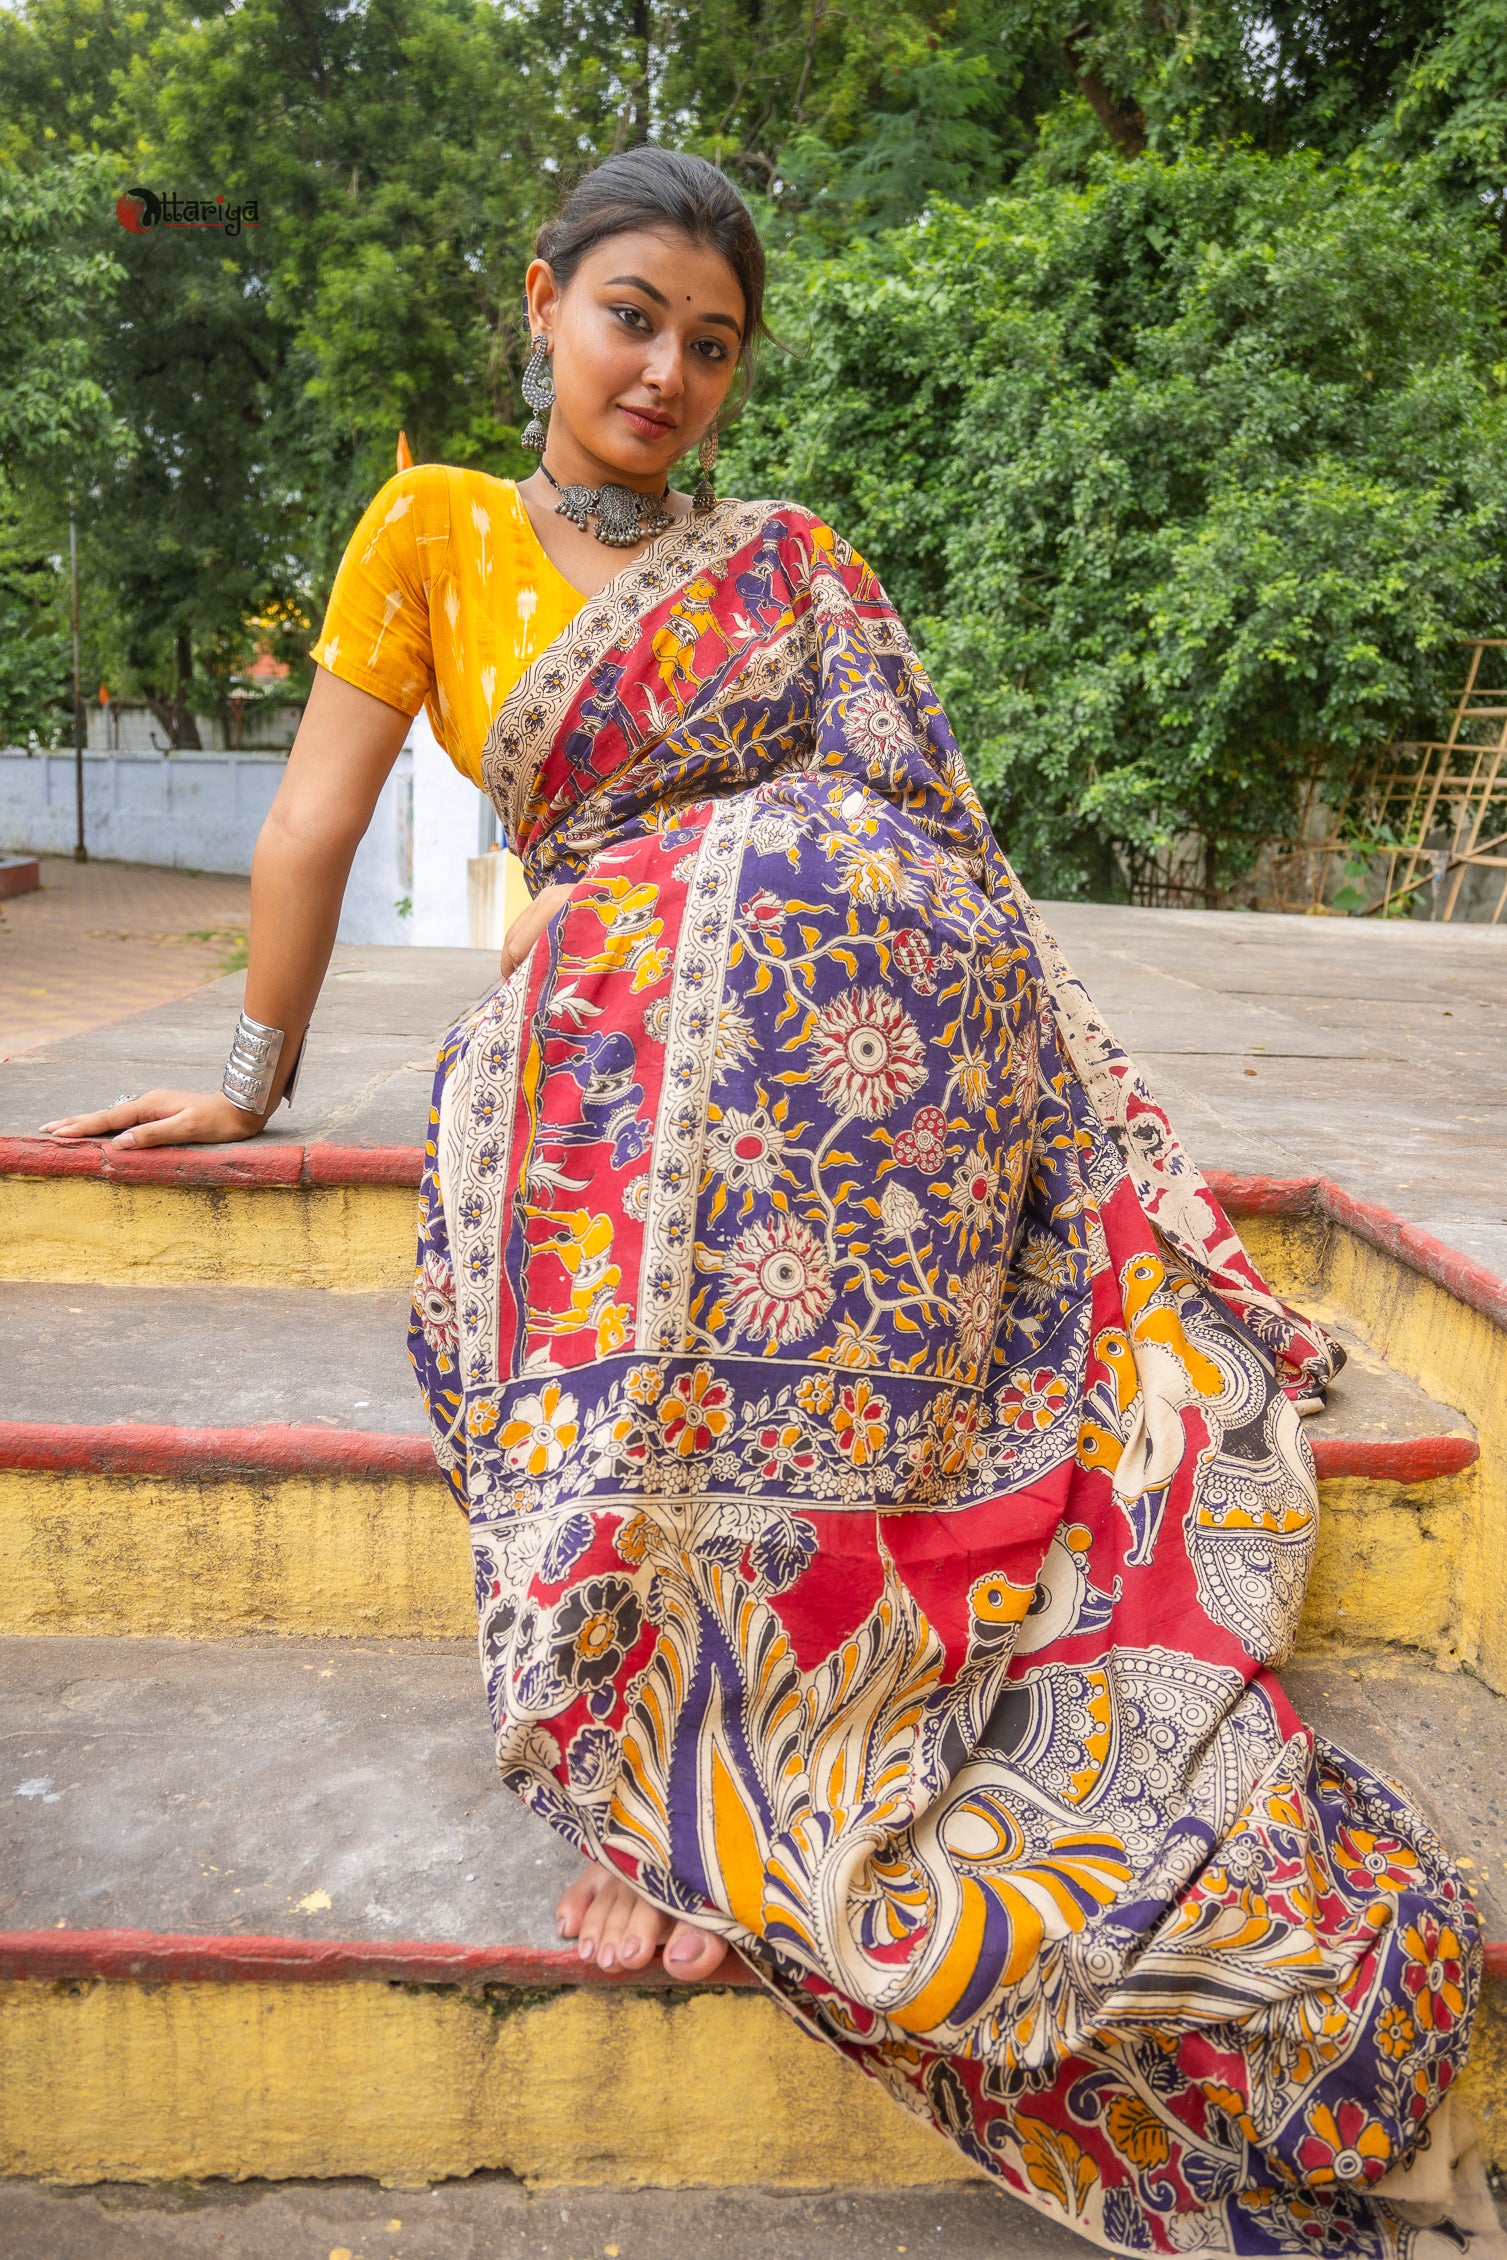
[[252, 1064]]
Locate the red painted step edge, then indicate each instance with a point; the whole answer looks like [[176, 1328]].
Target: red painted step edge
[[253, 1164], [363, 1165], [1460, 1276], [1411, 1459], [147, 1448], [19, 875], [153, 1956]]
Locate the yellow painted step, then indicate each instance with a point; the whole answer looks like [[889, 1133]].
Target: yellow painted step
[[388, 1557], [100, 1231], [104, 2081]]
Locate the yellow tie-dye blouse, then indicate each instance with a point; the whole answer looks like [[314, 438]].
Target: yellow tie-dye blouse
[[442, 599]]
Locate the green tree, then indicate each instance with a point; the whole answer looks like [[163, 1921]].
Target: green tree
[[1452, 110], [1187, 479], [402, 152], [57, 423]]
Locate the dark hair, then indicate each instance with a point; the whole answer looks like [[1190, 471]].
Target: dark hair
[[656, 189]]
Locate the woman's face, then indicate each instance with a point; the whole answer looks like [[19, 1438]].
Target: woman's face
[[646, 340]]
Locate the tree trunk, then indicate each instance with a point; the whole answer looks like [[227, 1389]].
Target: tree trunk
[[176, 713], [638, 113], [1122, 119]]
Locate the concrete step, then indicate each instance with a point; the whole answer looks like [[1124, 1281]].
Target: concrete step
[[216, 1459], [267, 1909], [335, 1790], [90, 1357], [268, 1214], [325, 1200], [270, 1911], [322, 1198], [490, 2217]]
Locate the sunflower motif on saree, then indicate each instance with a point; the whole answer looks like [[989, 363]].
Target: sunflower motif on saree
[[886, 1487]]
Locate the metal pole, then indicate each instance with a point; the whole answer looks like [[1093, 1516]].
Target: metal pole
[[80, 852]]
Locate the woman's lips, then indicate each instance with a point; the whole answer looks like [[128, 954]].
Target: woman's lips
[[647, 426]]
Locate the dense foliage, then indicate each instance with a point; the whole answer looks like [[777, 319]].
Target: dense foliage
[[1184, 478], [1153, 354]]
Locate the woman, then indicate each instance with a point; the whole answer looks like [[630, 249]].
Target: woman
[[883, 1464]]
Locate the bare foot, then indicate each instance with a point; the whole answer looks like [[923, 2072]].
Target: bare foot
[[618, 1930]]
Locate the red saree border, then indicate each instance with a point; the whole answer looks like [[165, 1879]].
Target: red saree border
[[525, 726]]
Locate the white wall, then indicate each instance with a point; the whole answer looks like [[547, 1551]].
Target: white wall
[[448, 820], [378, 904], [190, 811], [454, 824], [202, 812], [123, 727]]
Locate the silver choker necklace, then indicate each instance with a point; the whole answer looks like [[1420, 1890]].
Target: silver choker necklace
[[623, 516]]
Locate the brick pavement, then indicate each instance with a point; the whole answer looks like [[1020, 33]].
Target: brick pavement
[[100, 940]]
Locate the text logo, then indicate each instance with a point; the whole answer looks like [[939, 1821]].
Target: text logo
[[142, 209]]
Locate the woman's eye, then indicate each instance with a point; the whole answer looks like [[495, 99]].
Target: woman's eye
[[632, 316], [710, 349]]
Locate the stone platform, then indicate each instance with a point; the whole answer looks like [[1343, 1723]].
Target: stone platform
[[366, 1075], [1371, 1053]]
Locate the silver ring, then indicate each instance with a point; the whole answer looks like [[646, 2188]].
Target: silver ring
[[126, 1098]]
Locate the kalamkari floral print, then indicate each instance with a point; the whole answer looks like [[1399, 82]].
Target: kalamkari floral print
[[886, 1484]]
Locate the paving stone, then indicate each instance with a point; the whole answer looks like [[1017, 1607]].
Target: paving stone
[[365, 1078], [1368, 1051], [100, 940]]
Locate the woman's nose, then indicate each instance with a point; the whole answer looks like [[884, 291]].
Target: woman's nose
[[665, 367]]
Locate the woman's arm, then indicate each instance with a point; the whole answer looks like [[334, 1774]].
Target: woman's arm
[[347, 743]]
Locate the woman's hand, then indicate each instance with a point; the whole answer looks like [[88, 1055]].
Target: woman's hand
[[529, 925], [161, 1118]]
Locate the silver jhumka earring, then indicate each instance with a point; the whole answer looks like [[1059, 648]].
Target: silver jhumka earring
[[538, 388], [706, 455]]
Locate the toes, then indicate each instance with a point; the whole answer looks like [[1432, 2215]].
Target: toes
[[613, 1927], [616, 1929], [642, 1932], [693, 1953], [574, 1903], [598, 1918]]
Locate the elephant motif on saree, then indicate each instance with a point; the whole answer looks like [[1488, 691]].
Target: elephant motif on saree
[[883, 1464]]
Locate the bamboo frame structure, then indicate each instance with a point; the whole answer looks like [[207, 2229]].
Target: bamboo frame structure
[[1429, 810]]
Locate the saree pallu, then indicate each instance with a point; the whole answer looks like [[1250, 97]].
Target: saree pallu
[[883, 1464]]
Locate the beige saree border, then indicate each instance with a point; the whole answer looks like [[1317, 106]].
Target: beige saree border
[[525, 725]]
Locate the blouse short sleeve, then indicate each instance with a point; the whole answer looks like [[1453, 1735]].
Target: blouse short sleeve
[[376, 631]]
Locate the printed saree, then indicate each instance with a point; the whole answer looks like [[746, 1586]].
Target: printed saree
[[883, 1464]]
